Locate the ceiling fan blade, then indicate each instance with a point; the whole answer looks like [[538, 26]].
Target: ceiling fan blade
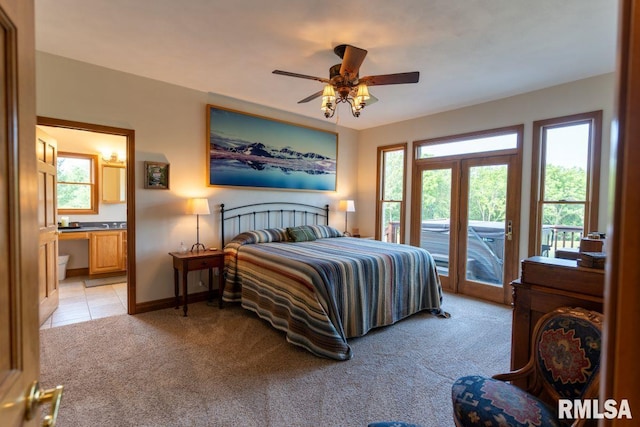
[[301, 76], [311, 97], [391, 79], [353, 57]]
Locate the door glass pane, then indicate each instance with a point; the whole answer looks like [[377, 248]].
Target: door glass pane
[[562, 227], [486, 223], [436, 216], [565, 162], [390, 222]]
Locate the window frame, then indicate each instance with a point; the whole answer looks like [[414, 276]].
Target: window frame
[[93, 158], [594, 118], [381, 151]]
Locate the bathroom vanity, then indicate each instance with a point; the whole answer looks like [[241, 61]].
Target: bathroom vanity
[[107, 247]]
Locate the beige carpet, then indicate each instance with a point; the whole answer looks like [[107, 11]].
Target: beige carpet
[[228, 368]]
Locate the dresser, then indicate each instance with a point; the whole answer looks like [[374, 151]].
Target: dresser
[[546, 284]]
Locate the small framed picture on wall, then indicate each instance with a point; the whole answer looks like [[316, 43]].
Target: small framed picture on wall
[[156, 175]]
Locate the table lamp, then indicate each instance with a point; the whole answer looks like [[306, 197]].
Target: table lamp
[[198, 207], [346, 206]]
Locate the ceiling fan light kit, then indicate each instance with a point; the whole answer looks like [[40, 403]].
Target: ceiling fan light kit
[[345, 81], [357, 102]]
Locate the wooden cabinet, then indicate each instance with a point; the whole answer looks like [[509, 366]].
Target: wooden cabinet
[[107, 251], [546, 284]]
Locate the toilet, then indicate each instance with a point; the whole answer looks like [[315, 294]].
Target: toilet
[[62, 266]]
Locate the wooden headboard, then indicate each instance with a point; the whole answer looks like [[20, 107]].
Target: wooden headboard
[[258, 216]]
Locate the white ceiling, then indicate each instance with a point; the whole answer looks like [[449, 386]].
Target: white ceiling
[[467, 51]]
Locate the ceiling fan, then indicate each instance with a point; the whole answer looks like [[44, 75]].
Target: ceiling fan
[[344, 79]]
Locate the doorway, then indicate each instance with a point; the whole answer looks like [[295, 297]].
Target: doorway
[[129, 162], [466, 210]]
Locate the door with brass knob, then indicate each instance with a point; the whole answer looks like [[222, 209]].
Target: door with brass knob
[[19, 325], [466, 212]]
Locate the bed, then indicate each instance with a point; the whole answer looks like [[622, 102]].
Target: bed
[[317, 285]]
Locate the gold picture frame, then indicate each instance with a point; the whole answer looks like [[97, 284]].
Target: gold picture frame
[[156, 176], [247, 150]]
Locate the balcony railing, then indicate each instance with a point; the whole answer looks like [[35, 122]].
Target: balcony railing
[[392, 232], [556, 237], [553, 236], [485, 244]]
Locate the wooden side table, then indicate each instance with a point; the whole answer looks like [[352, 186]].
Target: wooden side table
[[193, 261]]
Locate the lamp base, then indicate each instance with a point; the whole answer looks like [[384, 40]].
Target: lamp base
[[196, 247]]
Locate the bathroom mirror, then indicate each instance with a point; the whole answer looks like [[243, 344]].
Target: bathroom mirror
[[114, 185]]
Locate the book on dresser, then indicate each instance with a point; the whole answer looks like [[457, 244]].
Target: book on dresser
[[546, 284]]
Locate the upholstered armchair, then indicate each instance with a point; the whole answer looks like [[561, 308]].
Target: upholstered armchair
[[564, 364]]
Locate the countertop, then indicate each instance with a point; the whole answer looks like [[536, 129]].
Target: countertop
[[79, 227], [85, 229]]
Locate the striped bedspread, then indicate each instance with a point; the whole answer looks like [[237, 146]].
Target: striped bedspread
[[324, 291]]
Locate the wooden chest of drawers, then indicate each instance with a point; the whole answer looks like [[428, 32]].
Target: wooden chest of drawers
[[546, 284]]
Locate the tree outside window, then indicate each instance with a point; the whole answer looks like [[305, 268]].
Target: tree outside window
[[565, 182], [391, 189], [76, 183]]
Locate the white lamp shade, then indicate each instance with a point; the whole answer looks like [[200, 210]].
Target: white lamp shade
[[363, 92], [198, 207], [328, 93], [346, 206]]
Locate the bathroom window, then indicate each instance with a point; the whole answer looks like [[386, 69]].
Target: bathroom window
[[77, 186]]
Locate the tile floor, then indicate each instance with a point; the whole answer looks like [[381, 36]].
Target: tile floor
[[79, 303]]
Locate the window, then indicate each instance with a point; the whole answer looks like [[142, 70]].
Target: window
[[77, 185], [565, 182], [391, 189], [474, 144]]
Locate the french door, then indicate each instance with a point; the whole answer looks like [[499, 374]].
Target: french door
[[466, 214]]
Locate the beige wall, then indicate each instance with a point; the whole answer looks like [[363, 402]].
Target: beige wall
[[170, 126], [596, 93]]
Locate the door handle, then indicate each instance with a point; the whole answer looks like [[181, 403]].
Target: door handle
[[509, 233], [36, 397]]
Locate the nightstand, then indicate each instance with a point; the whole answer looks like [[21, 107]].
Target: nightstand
[[193, 261]]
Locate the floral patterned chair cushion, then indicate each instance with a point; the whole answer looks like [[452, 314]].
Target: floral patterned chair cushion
[[568, 355], [565, 365], [482, 401]]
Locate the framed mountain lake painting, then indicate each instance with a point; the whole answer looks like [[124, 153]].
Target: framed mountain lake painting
[[246, 150]]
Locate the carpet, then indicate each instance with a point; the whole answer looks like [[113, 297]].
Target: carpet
[[90, 283], [229, 368]]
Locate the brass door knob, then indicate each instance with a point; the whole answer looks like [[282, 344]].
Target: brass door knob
[[37, 397]]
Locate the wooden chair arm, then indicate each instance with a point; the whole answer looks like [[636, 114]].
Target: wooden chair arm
[[523, 372]]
